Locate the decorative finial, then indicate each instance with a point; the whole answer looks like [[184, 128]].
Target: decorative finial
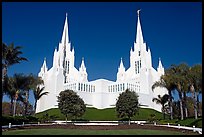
[[83, 58], [138, 12], [44, 58], [66, 14], [121, 58]]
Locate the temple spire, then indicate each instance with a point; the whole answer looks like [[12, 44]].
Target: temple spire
[[121, 67], [121, 63], [160, 64], [139, 36], [44, 66], [65, 36], [160, 68], [82, 68]]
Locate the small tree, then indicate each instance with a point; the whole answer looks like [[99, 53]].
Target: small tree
[[70, 104], [127, 104], [38, 93], [162, 100]]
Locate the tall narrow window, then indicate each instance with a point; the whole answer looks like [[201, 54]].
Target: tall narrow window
[[139, 53], [123, 86], [135, 67], [84, 87], [81, 87], [140, 64], [68, 67]]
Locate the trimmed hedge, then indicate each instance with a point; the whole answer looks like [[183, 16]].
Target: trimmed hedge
[[17, 120]]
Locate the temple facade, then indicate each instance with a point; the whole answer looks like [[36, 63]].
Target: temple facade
[[101, 93]]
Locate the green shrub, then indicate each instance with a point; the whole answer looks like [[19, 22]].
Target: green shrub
[[17, 120]]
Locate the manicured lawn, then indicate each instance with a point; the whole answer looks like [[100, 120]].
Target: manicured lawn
[[89, 132], [104, 114], [190, 122]]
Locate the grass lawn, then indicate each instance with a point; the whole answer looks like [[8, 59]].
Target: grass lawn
[[103, 114], [89, 132]]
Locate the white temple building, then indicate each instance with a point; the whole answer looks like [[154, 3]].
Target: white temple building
[[101, 93]]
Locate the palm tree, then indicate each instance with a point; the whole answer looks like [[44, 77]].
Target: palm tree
[[19, 84], [162, 100], [10, 56], [181, 81], [195, 84], [9, 91], [30, 82], [14, 87], [167, 82], [38, 93]]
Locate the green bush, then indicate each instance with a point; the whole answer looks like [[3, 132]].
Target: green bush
[[17, 120]]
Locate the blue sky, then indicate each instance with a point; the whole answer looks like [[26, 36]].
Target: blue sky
[[103, 32]]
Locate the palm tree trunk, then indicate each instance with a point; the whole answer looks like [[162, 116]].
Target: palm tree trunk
[[11, 107], [26, 103], [181, 105], [4, 73], [170, 105], [197, 103], [195, 106], [15, 99], [185, 104], [14, 107], [3, 78]]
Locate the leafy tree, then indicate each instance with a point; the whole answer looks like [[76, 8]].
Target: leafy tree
[[167, 82], [5, 108], [70, 104], [127, 104], [162, 100]]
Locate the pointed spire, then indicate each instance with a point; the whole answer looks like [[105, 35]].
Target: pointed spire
[[44, 66], [139, 36], [121, 63], [121, 67], [65, 36], [82, 68], [73, 49], [149, 49], [160, 68], [131, 50], [160, 64]]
